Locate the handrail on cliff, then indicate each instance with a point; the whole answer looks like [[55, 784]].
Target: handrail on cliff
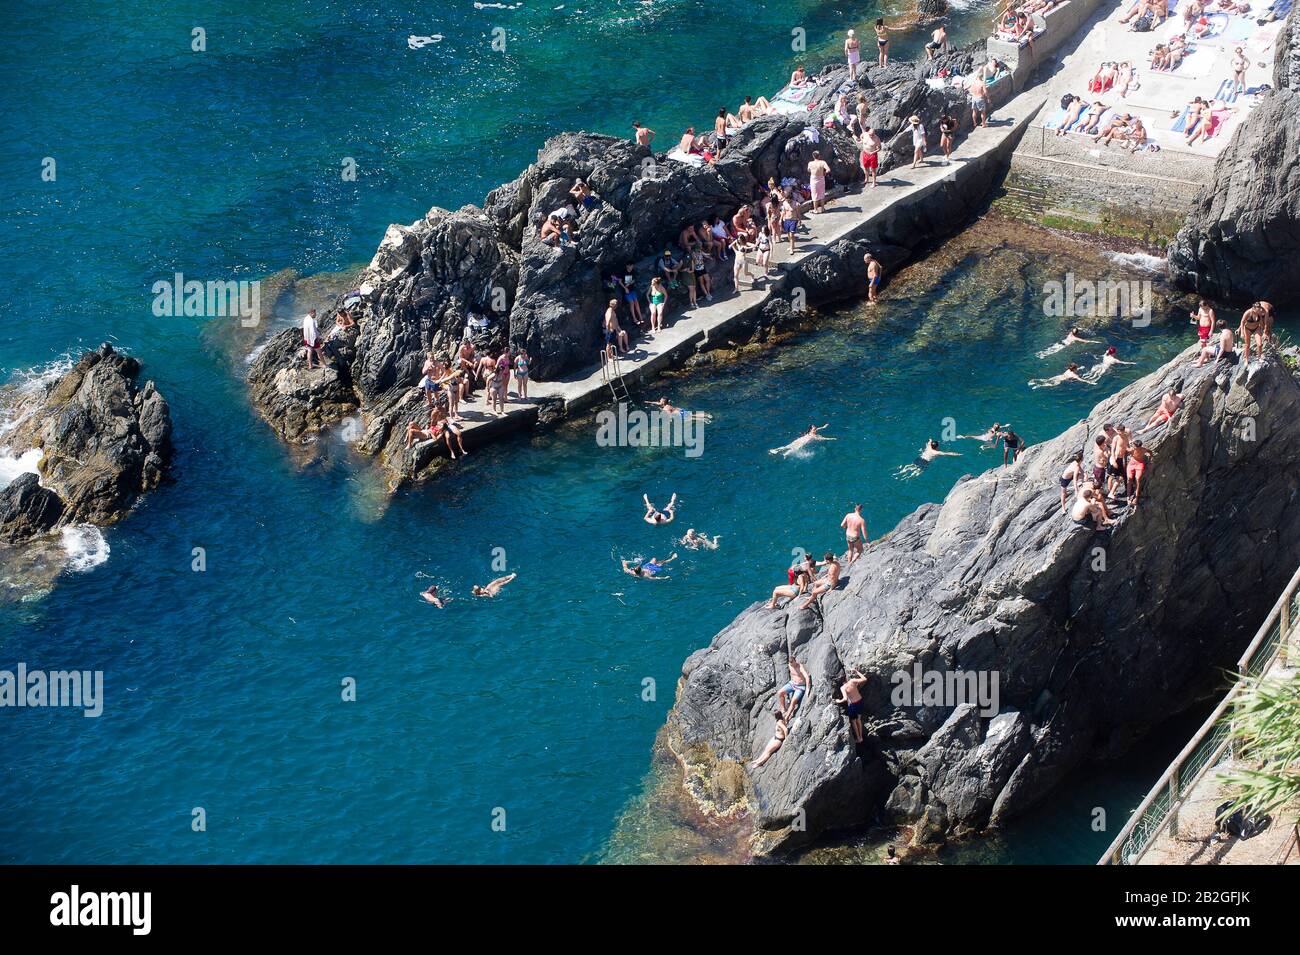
[[1159, 810]]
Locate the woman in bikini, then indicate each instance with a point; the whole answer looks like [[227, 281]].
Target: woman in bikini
[[778, 737], [882, 42]]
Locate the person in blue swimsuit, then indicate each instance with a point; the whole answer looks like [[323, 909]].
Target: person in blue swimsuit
[[651, 569]]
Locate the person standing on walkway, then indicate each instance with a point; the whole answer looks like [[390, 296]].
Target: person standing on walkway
[[918, 140], [818, 170], [788, 221], [979, 101], [870, 144], [947, 127]]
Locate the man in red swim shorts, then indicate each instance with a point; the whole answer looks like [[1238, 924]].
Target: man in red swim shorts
[[870, 143]]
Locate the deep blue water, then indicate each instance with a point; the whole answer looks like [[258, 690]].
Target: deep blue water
[[223, 687]]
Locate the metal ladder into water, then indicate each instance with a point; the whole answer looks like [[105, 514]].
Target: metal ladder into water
[[612, 372]]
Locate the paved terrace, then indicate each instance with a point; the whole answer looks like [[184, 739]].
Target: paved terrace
[[1160, 98]]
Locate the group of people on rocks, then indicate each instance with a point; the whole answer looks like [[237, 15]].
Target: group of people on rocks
[[445, 384]]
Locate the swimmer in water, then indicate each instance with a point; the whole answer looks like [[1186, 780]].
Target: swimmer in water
[[1111, 359], [695, 540], [1074, 337], [669, 409], [665, 516], [1071, 373], [494, 588], [431, 595], [928, 454], [649, 570], [988, 439], [798, 444]]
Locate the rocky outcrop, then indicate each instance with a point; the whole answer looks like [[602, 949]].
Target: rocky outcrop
[[105, 440], [484, 274], [1241, 242], [1094, 637]]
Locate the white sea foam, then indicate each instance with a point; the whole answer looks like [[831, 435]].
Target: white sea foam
[[85, 546], [256, 350], [1139, 260], [13, 465]]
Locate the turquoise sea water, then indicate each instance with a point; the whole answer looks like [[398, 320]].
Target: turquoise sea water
[[223, 687]]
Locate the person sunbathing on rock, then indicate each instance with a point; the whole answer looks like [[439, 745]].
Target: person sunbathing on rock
[[653, 516], [800, 577], [1169, 406], [650, 569], [1088, 510], [493, 588], [1221, 347], [778, 737], [826, 583], [851, 693]]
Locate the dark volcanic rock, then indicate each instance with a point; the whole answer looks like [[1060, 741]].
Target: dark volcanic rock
[[28, 510], [485, 274], [105, 441], [1094, 637], [1241, 242]]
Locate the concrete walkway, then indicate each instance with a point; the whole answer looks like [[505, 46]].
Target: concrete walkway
[[1193, 846], [847, 217]]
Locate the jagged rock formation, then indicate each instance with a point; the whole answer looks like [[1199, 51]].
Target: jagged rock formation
[[484, 273], [105, 441], [1095, 637], [1241, 242]]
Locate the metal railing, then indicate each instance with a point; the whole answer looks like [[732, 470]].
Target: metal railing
[[1159, 810]]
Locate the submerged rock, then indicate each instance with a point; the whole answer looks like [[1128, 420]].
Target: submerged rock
[[1093, 638], [1241, 242], [104, 439]]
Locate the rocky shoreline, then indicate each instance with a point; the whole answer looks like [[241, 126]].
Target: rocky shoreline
[[104, 439], [1096, 637], [483, 272]]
